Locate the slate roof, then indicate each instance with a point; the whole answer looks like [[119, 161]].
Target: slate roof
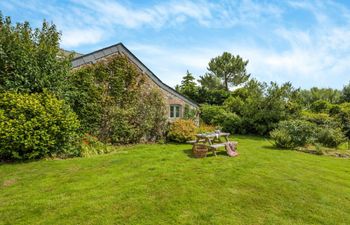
[[67, 53], [120, 48]]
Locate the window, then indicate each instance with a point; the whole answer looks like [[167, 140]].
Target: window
[[174, 111]]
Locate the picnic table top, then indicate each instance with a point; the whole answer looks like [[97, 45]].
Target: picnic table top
[[208, 135]]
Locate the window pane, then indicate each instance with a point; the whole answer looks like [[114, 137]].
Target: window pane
[[177, 111], [171, 111]]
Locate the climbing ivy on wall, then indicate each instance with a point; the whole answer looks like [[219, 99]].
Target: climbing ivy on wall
[[116, 102]]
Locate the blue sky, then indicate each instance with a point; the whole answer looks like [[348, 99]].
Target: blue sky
[[305, 42]]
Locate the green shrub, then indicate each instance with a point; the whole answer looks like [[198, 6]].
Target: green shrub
[[92, 146], [211, 113], [205, 128], [229, 122], [36, 126], [322, 119], [189, 113], [293, 133], [218, 116], [181, 130], [330, 137], [282, 138], [321, 106]]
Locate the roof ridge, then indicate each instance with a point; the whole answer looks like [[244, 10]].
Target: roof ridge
[[137, 61]]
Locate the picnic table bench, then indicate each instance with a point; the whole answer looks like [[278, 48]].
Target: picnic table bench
[[212, 140]]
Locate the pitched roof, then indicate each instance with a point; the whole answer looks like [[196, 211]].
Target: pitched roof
[[120, 48]]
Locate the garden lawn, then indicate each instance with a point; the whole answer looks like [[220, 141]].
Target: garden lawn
[[162, 184]]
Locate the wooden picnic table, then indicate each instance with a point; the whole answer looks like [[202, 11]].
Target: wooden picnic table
[[213, 140]]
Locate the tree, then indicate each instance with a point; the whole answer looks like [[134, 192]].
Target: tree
[[345, 94], [316, 94], [188, 86], [231, 69], [31, 60], [261, 106], [211, 82]]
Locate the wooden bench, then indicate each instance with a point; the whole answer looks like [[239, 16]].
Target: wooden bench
[[214, 147], [196, 141]]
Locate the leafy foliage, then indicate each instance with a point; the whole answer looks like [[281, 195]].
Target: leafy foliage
[[316, 94], [205, 128], [31, 60], [330, 137], [293, 133], [231, 69], [321, 106], [188, 86], [115, 102], [189, 113], [35, 126], [345, 93], [261, 106], [212, 97], [342, 115], [91, 146], [218, 116], [181, 130], [210, 81], [322, 119]]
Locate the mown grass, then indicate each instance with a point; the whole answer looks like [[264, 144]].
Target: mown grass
[[163, 184]]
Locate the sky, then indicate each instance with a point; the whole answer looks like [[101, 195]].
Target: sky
[[306, 43]]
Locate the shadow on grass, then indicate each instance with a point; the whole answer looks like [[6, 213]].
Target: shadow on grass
[[247, 137], [271, 147], [189, 153]]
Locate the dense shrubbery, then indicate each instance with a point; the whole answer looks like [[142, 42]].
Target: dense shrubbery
[[36, 126], [113, 99], [181, 131], [114, 102], [298, 133], [218, 116], [293, 133], [330, 137]]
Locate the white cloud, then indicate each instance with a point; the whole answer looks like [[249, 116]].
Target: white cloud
[[279, 49], [76, 37]]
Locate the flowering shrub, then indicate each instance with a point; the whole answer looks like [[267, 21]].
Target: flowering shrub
[[182, 130]]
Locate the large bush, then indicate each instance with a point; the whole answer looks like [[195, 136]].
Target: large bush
[[330, 137], [36, 126], [116, 102], [262, 106], [322, 119], [218, 116], [321, 106], [293, 133], [181, 130]]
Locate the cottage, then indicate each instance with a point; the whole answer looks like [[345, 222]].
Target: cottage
[[176, 102]]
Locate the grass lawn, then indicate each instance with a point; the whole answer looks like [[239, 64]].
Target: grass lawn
[[162, 184]]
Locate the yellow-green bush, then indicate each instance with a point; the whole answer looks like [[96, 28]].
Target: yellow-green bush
[[204, 128], [36, 126], [181, 130]]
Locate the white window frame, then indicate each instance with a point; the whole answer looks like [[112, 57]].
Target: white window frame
[[175, 111]]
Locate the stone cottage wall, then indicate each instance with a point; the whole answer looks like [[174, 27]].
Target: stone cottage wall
[[169, 98]]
